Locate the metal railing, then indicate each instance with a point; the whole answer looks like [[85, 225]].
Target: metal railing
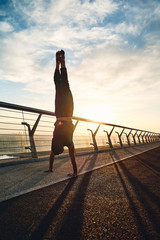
[[27, 132]]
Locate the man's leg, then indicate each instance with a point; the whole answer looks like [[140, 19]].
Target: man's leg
[[51, 161], [73, 161]]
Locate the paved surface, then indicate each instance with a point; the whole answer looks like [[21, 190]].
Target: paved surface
[[18, 179], [118, 201]]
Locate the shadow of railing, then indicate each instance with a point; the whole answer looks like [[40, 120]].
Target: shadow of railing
[[139, 195]]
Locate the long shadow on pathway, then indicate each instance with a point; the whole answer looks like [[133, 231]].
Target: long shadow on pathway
[[70, 225], [146, 200]]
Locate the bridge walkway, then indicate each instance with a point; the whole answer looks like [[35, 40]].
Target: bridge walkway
[[118, 200]]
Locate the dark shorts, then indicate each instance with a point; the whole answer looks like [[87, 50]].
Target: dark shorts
[[63, 133]]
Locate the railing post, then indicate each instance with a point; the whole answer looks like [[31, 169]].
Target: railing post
[[139, 137], [133, 135], [146, 137], [143, 138], [109, 137], [119, 136], [151, 137], [127, 135], [31, 138], [94, 137], [76, 124], [156, 137]]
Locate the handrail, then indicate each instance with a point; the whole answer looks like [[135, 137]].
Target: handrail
[[36, 110], [29, 141], [24, 108]]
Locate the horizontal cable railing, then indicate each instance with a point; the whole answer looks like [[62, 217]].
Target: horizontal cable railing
[[27, 132]]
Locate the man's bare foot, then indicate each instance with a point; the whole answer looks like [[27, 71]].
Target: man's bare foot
[[62, 58], [49, 170], [72, 175], [62, 54], [58, 56]]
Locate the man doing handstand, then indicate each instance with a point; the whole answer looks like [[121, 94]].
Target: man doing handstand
[[64, 128]]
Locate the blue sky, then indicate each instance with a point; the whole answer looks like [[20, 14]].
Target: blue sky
[[112, 54]]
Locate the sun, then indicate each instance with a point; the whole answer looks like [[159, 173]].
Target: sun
[[98, 112]]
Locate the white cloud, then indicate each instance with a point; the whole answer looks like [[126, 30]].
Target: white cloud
[[127, 28], [22, 52], [6, 27], [119, 76], [66, 12]]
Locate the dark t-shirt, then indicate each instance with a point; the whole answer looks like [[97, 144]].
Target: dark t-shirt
[[63, 133]]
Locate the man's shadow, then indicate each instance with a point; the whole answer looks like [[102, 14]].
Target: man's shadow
[[71, 227], [47, 220], [71, 224]]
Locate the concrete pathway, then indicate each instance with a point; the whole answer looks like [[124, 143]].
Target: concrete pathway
[[19, 179], [118, 202]]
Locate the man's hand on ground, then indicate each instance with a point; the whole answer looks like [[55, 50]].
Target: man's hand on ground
[[49, 170]]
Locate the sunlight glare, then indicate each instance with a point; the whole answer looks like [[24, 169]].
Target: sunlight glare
[[98, 112]]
